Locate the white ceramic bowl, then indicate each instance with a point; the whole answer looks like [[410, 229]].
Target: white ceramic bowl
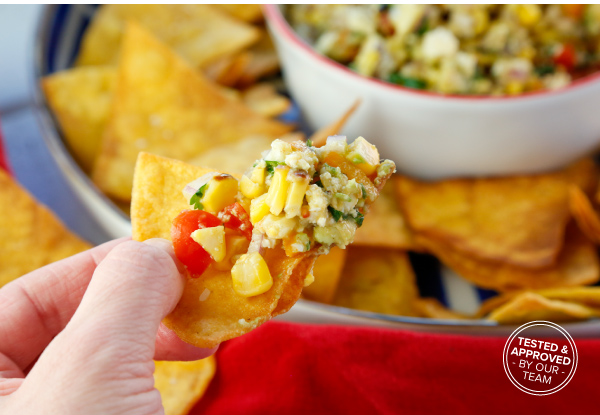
[[435, 136]]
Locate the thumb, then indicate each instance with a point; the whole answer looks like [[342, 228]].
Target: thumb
[[131, 291], [111, 337]]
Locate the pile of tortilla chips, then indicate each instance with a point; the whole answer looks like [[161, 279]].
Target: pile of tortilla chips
[[174, 80]]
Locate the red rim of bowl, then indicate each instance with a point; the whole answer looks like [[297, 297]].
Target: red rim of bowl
[[274, 16]]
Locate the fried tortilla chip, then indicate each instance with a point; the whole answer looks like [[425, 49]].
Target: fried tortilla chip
[[386, 226], [247, 12], [577, 264], [378, 280], [517, 220], [200, 33], [264, 100], [182, 384], [80, 99], [319, 137], [327, 272], [228, 70], [263, 61], [586, 296], [163, 106], [530, 306], [584, 213], [30, 235], [236, 157], [210, 311], [432, 308]]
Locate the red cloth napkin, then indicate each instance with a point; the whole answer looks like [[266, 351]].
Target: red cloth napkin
[[284, 368], [3, 159]]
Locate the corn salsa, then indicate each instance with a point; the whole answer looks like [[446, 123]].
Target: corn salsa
[[457, 49], [297, 197]]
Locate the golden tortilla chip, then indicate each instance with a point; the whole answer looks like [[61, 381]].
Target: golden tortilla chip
[[247, 12], [80, 99], [163, 106], [263, 61], [264, 100], [327, 272], [517, 220], [30, 235], [319, 138], [182, 384], [224, 314], [235, 158], [529, 306], [432, 308], [584, 213], [386, 226], [228, 70], [200, 33], [378, 280], [577, 264], [586, 296]]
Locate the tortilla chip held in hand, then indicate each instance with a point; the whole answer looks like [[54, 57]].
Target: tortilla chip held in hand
[[30, 235], [249, 244]]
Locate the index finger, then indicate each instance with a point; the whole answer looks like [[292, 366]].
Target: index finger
[[37, 306]]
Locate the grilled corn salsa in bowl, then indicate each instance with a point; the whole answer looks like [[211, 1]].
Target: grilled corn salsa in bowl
[[480, 49], [297, 197]]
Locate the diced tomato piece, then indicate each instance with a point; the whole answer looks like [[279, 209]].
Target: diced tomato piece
[[189, 252], [235, 217], [566, 57]]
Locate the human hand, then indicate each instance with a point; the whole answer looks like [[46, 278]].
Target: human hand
[[94, 321]]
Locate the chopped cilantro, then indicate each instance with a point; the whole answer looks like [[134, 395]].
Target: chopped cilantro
[[364, 190], [423, 27], [406, 81], [271, 165], [309, 142], [308, 245], [196, 197], [359, 219], [337, 215], [544, 70]]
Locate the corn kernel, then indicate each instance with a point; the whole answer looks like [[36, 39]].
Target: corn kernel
[[251, 275], [514, 88], [258, 175], [220, 193], [278, 191], [295, 197], [235, 245], [212, 240], [529, 14], [258, 209], [250, 189]]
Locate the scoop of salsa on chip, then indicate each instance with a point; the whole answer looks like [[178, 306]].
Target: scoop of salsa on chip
[[249, 243]]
